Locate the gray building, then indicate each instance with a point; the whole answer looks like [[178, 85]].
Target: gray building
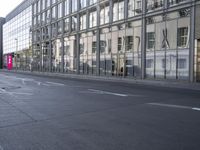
[[2, 21], [136, 39]]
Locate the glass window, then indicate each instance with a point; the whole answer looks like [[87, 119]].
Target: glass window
[[53, 1], [182, 37], [54, 13], [93, 19], [149, 63], [150, 40], [83, 3], [35, 8], [83, 21], [48, 3], [118, 10], [43, 18], [182, 63], [60, 27], [56, 55], [154, 4], [174, 2], [54, 30], [70, 54], [129, 43], [43, 4], [74, 5], [66, 25], [60, 10], [94, 47], [74, 23], [92, 2], [48, 16], [134, 7], [168, 45], [38, 4], [66, 7], [104, 14]]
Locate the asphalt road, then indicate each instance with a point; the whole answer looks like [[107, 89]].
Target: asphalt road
[[41, 113]]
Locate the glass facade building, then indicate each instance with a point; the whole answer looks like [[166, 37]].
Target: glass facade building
[[17, 36], [137, 39]]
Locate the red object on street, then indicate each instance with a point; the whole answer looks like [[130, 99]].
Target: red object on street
[[9, 62]]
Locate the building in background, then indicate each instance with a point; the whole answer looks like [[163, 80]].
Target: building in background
[[17, 36], [2, 21], [156, 39]]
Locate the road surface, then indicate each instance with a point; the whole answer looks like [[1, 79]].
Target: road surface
[[42, 113]]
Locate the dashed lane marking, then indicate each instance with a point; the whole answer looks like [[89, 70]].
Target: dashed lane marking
[[106, 92], [175, 106], [54, 83], [197, 109]]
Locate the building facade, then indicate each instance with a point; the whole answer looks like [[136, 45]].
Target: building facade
[[2, 21], [17, 36], [156, 39]]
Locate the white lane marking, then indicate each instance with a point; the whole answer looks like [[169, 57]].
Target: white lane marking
[[197, 109], [169, 105], [175, 106], [17, 93], [25, 79], [108, 93], [54, 83], [45, 84]]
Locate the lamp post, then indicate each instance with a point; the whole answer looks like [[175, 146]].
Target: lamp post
[[16, 53]]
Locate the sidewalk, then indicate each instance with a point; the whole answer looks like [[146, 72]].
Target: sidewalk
[[160, 83]]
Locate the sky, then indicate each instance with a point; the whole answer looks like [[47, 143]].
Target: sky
[[7, 6]]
